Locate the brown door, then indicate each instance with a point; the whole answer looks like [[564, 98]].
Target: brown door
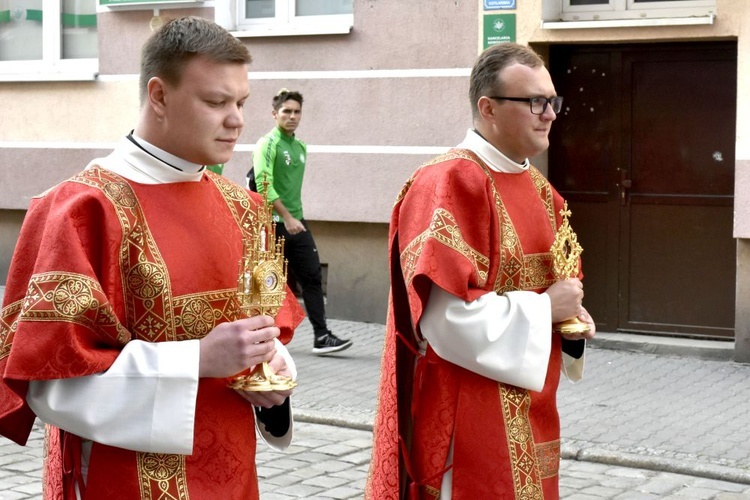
[[644, 152]]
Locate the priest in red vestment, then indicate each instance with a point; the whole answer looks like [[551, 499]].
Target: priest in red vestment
[[471, 364], [120, 329]]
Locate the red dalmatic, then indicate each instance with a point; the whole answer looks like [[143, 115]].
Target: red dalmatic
[[101, 261], [469, 230]]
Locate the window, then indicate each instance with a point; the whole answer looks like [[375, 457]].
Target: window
[[293, 17], [587, 10], [43, 39]]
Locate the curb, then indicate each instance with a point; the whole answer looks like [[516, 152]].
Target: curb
[[323, 418], [715, 350], [659, 464], [579, 451]]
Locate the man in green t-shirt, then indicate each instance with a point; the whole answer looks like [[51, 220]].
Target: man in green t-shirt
[[279, 160]]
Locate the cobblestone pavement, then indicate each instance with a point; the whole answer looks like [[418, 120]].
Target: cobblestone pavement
[[668, 413], [326, 462], [640, 426]]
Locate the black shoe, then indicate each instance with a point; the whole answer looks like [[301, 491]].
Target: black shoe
[[329, 343]]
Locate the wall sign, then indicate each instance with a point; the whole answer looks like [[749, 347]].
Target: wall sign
[[499, 4], [499, 28]]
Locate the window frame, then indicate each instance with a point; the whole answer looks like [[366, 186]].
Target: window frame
[[630, 9], [52, 66], [286, 22]]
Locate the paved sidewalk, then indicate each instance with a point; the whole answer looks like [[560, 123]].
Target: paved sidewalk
[[326, 463], [639, 426], [668, 413]]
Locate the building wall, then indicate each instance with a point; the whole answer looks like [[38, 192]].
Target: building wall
[[742, 312], [379, 101], [10, 224], [357, 277], [732, 22]]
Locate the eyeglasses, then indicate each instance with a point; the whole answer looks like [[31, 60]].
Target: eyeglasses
[[537, 105]]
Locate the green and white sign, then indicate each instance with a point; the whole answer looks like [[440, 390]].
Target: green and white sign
[[499, 28]]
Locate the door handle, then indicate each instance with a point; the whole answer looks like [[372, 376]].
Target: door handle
[[625, 184]]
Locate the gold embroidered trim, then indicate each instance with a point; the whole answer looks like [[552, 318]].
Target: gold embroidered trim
[[537, 271], [8, 325], [73, 298], [544, 188], [197, 314], [448, 156], [148, 293], [433, 492], [403, 191], [162, 476], [444, 229], [515, 403], [518, 271], [152, 311], [238, 201], [548, 458]]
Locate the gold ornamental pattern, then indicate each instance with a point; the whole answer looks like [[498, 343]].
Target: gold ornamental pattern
[[8, 326], [153, 313], [444, 229], [538, 271], [149, 308], [239, 203], [198, 314], [162, 476], [71, 298], [147, 280], [548, 458], [515, 403], [431, 492], [544, 188], [518, 271]]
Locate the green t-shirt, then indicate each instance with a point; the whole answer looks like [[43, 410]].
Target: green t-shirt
[[280, 159]]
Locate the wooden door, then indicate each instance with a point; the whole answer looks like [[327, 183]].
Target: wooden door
[[644, 152]]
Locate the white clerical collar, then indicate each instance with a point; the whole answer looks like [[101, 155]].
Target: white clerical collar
[[168, 158], [144, 163], [491, 155]]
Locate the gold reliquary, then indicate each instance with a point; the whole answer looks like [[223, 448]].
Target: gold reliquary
[[566, 255], [261, 290]]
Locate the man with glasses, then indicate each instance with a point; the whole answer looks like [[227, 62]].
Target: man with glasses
[[471, 363]]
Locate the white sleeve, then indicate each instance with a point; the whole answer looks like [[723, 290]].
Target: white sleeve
[[144, 402], [282, 412], [505, 337]]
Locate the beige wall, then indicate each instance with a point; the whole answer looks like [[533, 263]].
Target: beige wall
[[365, 127], [366, 131], [10, 225], [357, 257], [732, 22], [742, 310]]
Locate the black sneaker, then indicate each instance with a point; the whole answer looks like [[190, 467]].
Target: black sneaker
[[329, 343]]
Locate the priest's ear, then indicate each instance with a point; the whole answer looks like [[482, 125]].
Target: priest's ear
[[156, 93], [486, 108]]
